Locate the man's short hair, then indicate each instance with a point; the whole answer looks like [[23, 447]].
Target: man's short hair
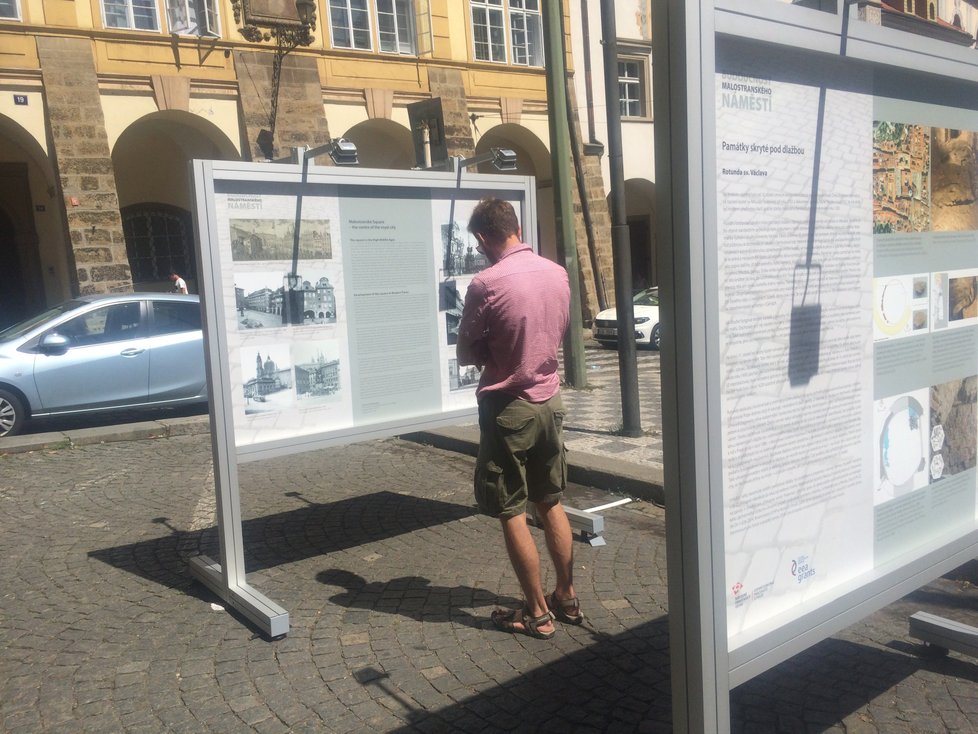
[[495, 219]]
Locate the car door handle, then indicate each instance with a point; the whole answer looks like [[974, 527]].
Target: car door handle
[[131, 352]]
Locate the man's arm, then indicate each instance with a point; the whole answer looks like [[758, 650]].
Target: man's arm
[[471, 347]]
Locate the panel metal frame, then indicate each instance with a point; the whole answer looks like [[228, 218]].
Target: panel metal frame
[[685, 41], [227, 578]]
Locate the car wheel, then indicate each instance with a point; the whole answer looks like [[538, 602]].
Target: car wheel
[[655, 338], [11, 414]]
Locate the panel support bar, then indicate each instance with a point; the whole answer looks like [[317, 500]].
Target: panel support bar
[[945, 634], [265, 614]]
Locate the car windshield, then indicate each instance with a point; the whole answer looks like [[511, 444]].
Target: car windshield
[[648, 297], [22, 327]]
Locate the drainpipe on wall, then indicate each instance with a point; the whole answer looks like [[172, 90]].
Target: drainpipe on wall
[[591, 147], [585, 207]]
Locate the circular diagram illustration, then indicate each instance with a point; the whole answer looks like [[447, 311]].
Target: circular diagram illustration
[[903, 444], [893, 301]]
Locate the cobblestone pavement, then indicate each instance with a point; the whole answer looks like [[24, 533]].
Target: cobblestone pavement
[[389, 576], [594, 413]]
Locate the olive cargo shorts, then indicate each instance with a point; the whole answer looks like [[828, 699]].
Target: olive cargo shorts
[[521, 454]]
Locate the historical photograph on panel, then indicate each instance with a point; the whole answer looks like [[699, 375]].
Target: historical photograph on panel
[[317, 372], [267, 375], [453, 318], [954, 427], [279, 298], [954, 180], [462, 378], [274, 239], [903, 444], [448, 297], [460, 255], [962, 297], [901, 178]]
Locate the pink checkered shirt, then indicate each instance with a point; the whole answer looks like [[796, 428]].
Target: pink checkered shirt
[[515, 315]]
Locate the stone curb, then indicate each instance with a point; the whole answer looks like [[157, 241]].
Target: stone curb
[[190, 425], [582, 468]]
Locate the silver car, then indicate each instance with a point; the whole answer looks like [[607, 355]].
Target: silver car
[[97, 353]]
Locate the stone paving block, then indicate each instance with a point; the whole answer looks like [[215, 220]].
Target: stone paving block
[[133, 586]]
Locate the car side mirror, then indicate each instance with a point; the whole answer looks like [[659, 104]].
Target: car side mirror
[[54, 343]]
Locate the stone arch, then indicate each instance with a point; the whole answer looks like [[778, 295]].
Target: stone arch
[[382, 144], [640, 217], [533, 159], [151, 155], [34, 258], [150, 160]]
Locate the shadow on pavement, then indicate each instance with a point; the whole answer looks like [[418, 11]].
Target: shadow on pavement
[[582, 680], [621, 683], [615, 683], [285, 537], [413, 597]]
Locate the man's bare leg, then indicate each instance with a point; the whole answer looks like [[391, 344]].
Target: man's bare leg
[[560, 543], [525, 558]]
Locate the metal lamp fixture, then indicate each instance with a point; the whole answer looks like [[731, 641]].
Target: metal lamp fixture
[[502, 159], [343, 152]]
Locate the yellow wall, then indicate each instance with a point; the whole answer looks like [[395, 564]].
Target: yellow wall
[[223, 113], [17, 51], [121, 112], [29, 116]]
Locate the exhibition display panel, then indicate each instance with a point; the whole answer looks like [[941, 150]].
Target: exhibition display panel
[[822, 211]]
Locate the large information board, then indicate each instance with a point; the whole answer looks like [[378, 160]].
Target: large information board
[[332, 298], [856, 319], [821, 199]]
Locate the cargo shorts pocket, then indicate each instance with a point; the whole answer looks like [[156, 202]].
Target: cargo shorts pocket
[[517, 429], [489, 489]]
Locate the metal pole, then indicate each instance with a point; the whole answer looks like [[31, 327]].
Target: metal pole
[[574, 371], [631, 417], [697, 617]]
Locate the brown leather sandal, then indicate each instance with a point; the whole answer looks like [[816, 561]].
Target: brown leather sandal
[[567, 611], [508, 619]]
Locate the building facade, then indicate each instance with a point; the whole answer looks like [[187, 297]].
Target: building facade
[[103, 103], [633, 90]]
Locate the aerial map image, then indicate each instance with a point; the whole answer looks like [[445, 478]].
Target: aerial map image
[[901, 177]]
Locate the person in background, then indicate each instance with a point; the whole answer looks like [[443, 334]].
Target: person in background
[[514, 318], [179, 284]]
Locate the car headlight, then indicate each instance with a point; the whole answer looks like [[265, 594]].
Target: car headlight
[[642, 320]]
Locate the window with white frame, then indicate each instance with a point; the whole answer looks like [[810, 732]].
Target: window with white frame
[[349, 24], [352, 24], [193, 17], [395, 26], [526, 29], [489, 30], [632, 87], [9, 9], [491, 18], [138, 15]]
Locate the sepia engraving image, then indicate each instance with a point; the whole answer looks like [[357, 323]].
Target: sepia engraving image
[[274, 239], [954, 180]]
